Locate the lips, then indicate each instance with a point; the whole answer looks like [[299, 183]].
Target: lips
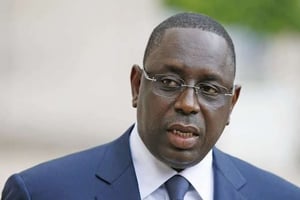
[[183, 136]]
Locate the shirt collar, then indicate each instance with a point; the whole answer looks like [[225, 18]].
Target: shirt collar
[[152, 173]]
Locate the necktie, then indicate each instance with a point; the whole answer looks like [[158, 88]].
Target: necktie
[[177, 186]]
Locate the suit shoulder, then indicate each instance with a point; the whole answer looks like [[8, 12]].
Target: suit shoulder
[[88, 158], [72, 176], [65, 172], [261, 182]]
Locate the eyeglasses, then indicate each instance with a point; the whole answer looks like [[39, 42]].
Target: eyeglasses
[[171, 86]]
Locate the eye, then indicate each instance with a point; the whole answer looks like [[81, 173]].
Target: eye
[[169, 82], [209, 89]]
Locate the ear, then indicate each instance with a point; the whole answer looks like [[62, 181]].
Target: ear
[[135, 79], [234, 99]]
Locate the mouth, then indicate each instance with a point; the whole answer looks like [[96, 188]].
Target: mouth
[[183, 136], [184, 131]]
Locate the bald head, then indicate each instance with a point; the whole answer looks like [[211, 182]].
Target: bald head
[[188, 20]]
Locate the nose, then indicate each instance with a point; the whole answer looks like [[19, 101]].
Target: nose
[[187, 102]]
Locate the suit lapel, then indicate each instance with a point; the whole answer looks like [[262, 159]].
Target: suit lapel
[[117, 178], [117, 173], [227, 178]]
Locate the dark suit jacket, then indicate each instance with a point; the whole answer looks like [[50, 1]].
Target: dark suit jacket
[[107, 173]]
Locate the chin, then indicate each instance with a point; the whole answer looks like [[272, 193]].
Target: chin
[[180, 165]]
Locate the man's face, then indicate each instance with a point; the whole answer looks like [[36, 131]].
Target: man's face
[[180, 131]]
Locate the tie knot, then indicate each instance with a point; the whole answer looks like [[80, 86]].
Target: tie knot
[[177, 186]]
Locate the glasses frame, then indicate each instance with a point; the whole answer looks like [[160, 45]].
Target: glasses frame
[[196, 89]]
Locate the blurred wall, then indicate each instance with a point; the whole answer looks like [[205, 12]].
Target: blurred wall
[[265, 125], [64, 80], [64, 74]]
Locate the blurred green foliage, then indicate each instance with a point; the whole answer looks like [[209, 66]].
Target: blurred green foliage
[[268, 16]]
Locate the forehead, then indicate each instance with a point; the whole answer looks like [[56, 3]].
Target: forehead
[[192, 49]]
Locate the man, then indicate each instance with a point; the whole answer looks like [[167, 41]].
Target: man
[[184, 95]]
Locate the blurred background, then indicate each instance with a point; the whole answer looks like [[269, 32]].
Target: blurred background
[[65, 65]]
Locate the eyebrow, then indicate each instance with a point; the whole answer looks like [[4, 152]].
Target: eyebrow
[[211, 77], [179, 69]]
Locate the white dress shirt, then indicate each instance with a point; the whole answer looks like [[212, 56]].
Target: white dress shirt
[[152, 174]]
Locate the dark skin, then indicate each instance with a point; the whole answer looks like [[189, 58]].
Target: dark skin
[[195, 56]]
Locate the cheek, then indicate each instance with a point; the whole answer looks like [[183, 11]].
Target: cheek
[[216, 120], [151, 109], [155, 110]]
